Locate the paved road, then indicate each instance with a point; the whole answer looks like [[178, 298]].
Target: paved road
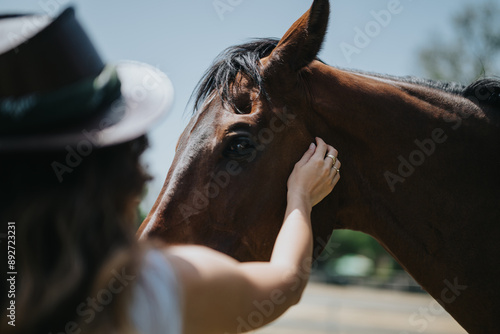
[[353, 310]]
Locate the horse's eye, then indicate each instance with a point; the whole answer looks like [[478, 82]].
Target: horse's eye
[[239, 147]]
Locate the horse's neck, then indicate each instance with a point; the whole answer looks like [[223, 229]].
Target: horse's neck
[[399, 137], [408, 177], [360, 106]]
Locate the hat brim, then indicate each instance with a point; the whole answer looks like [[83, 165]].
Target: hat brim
[[147, 96]]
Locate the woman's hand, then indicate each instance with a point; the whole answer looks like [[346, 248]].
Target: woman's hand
[[315, 175]]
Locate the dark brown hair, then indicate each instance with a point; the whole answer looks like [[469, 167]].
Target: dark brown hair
[[74, 237]]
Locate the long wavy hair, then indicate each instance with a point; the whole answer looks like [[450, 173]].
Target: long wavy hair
[[76, 255]]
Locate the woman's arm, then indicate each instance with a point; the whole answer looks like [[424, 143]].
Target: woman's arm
[[221, 295]]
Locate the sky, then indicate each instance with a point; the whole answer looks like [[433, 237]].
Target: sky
[[182, 38]]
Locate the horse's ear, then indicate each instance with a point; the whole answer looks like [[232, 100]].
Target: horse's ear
[[302, 42]]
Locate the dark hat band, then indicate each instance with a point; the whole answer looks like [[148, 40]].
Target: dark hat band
[[70, 104]]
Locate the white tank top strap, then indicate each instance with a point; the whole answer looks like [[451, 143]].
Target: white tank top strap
[[156, 301]]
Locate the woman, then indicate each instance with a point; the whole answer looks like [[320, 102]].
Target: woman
[[71, 137]]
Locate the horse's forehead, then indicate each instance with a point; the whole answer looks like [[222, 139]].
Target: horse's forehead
[[215, 115], [203, 123]]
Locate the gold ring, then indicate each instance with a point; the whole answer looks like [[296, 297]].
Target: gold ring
[[332, 157], [336, 169]]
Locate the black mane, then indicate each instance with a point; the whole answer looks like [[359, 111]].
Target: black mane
[[222, 74], [454, 88], [245, 58]]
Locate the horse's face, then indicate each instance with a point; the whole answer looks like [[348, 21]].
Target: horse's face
[[226, 188]]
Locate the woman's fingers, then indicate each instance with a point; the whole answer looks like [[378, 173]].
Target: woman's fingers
[[334, 162], [335, 171], [335, 179], [331, 154], [321, 149], [316, 174], [309, 153]]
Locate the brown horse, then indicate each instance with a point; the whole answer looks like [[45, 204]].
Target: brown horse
[[421, 165]]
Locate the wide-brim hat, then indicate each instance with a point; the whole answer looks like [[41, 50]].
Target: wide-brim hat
[[56, 91]]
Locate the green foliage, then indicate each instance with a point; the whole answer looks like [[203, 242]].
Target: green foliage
[[141, 215], [351, 242], [347, 243], [473, 50]]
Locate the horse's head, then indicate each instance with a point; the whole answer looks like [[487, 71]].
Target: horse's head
[[226, 188]]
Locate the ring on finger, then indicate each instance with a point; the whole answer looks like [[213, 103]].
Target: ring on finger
[[336, 169], [334, 158]]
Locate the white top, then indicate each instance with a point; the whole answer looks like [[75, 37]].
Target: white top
[[156, 304]]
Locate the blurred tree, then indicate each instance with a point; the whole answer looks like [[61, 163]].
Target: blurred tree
[[474, 50], [347, 242], [352, 242]]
